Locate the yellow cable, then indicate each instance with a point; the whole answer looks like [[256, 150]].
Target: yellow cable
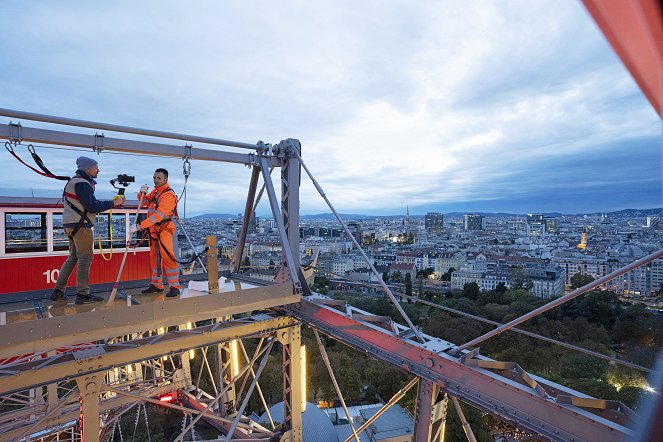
[[110, 226]]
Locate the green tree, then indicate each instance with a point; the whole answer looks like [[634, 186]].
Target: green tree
[[385, 276], [580, 280], [471, 291], [576, 366], [447, 275], [246, 262], [520, 279], [408, 284]]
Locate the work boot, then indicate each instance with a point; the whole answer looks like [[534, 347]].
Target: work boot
[[151, 289], [174, 292], [58, 296], [88, 299]]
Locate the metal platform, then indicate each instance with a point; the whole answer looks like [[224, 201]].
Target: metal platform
[[39, 326]]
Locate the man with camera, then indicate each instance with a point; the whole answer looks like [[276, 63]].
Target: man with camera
[[161, 205], [80, 208]]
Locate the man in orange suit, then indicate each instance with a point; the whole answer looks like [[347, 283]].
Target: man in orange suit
[[161, 205]]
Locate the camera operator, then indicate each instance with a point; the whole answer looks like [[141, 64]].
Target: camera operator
[[161, 205], [80, 208]]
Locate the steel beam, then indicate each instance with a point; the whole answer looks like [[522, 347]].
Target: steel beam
[[18, 377], [289, 254], [248, 213], [60, 138], [531, 408], [70, 413], [118, 128], [88, 386], [290, 182], [292, 382], [41, 335], [430, 413]]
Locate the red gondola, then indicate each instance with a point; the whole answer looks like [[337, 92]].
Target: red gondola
[[33, 245]]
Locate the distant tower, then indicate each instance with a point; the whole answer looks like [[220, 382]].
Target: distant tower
[[583, 240], [407, 215], [434, 222], [472, 221]]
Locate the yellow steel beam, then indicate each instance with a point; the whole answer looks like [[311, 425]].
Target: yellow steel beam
[[41, 335], [18, 377]]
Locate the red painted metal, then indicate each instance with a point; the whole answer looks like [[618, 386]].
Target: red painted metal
[[634, 28], [20, 274]]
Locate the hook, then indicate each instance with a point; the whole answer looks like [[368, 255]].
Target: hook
[[186, 168], [8, 146], [31, 149]]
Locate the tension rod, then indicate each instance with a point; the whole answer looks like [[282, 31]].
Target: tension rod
[[354, 241]]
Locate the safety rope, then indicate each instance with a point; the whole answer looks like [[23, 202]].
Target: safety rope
[[186, 170], [110, 231], [184, 263], [47, 173]]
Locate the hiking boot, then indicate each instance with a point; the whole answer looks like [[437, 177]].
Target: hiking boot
[[88, 299], [58, 296], [151, 289], [174, 292]]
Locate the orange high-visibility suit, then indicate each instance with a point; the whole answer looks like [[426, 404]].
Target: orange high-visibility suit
[[161, 205]]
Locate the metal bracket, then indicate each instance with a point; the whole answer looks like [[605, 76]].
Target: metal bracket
[[98, 143], [15, 133], [287, 148], [262, 147], [253, 160], [187, 151], [88, 353], [467, 357]]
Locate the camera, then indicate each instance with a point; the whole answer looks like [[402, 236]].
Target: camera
[[122, 180]]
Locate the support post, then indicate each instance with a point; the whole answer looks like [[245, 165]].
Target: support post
[[212, 265], [248, 213], [224, 374], [289, 265], [290, 338], [290, 180], [430, 413], [89, 415], [466, 425]]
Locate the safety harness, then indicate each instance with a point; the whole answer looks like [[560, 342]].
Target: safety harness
[[174, 215], [84, 221]]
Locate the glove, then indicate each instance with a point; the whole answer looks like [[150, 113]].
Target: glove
[[133, 229], [144, 188]]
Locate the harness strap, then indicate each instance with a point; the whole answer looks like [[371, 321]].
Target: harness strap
[[43, 167], [161, 247], [47, 173], [83, 214]]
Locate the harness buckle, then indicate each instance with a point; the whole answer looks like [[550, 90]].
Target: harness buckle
[[98, 143], [15, 133]]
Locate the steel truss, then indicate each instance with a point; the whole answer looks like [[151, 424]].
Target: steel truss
[[499, 388], [91, 387]]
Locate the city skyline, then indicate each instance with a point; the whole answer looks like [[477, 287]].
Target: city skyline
[[512, 107]]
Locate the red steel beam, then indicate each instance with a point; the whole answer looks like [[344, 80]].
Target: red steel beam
[[521, 405], [634, 28]]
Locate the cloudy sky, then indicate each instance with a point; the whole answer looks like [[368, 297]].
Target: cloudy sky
[[515, 106]]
